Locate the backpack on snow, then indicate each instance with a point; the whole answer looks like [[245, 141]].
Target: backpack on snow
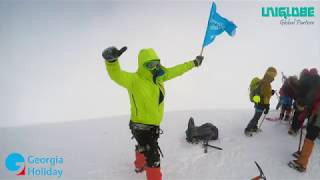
[[254, 87], [204, 132]]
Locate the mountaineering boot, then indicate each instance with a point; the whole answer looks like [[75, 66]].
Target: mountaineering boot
[[306, 152], [296, 154], [139, 162], [153, 173], [247, 133], [302, 162], [292, 132], [254, 129], [295, 165], [250, 131]]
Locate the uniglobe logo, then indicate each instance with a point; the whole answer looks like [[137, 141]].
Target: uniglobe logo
[[15, 163], [292, 15]]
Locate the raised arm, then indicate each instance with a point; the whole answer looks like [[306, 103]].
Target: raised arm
[[115, 72], [180, 69]]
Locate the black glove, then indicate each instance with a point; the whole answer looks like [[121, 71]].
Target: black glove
[[112, 53], [266, 110], [198, 61], [272, 92]]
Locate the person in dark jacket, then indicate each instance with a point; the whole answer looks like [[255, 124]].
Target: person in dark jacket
[[287, 94], [303, 86], [312, 112], [284, 78]]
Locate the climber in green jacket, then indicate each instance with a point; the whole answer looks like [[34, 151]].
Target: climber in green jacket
[[146, 92]]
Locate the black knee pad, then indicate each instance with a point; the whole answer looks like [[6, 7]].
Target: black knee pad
[[153, 160], [152, 156]]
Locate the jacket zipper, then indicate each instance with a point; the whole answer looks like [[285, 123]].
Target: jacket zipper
[[134, 102]]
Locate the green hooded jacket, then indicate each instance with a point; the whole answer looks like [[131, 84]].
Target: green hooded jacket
[[145, 93]]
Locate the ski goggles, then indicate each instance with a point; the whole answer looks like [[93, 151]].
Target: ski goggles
[[151, 65]]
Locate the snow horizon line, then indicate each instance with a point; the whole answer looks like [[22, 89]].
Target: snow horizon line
[[17, 125]]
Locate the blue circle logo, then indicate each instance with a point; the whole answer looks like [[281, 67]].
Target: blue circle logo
[[15, 162]]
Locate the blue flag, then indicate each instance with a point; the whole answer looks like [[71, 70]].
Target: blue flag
[[217, 25]]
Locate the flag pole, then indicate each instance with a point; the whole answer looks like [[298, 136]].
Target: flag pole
[[201, 51]]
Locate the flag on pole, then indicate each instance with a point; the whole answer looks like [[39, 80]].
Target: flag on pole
[[217, 25]]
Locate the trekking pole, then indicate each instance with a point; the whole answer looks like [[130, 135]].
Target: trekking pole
[[300, 140], [262, 120]]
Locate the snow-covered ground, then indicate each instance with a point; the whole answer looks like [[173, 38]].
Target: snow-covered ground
[[102, 148]]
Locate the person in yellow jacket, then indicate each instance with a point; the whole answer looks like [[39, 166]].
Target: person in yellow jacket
[[146, 92], [262, 100]]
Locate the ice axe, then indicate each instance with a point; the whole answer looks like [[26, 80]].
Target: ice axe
[[261, 176]]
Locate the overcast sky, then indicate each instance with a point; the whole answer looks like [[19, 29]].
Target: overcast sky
[[52, 69]]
